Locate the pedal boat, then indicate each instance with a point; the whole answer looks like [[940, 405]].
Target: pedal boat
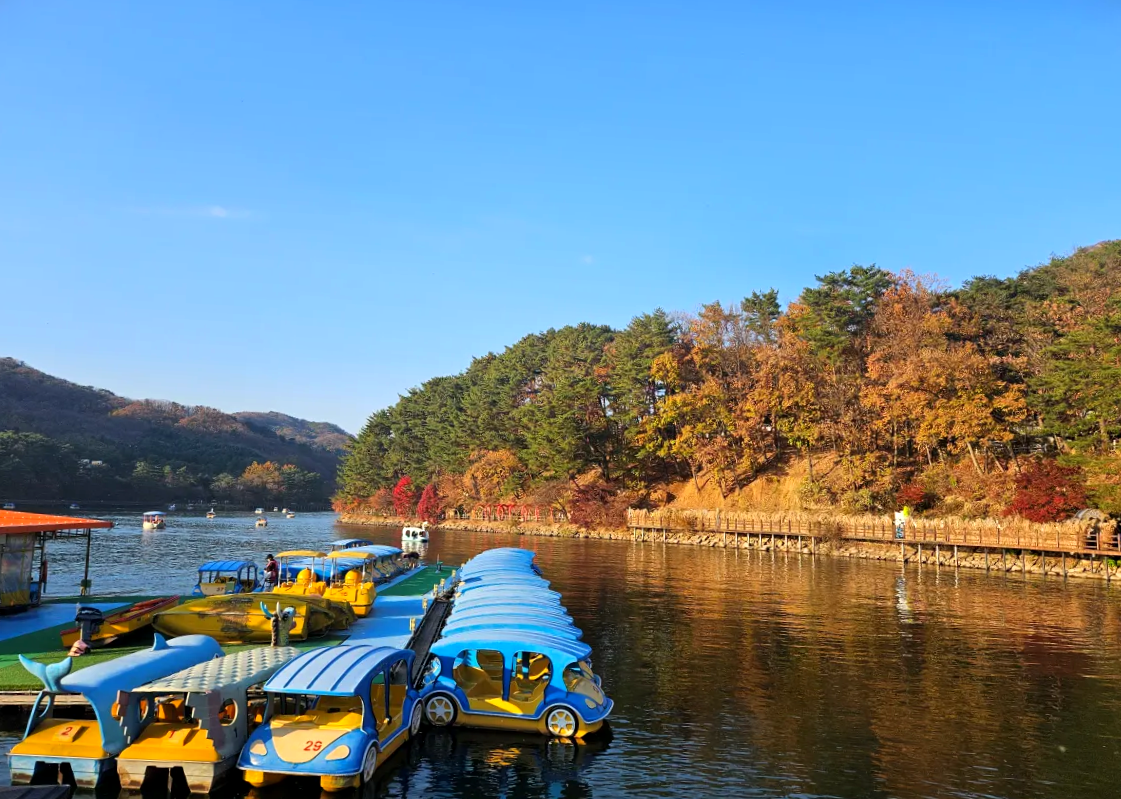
[[83, 751], [351, 580], [302, 572], [121, 622], [200, 718], [238, 618], [335, 713], [227, 577], [388, 561], [520, 680], [415, 535], [153, 520]]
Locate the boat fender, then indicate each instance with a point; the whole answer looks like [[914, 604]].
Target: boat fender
[[49, 675]]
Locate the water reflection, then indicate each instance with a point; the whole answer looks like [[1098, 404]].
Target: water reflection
[[738, 673]]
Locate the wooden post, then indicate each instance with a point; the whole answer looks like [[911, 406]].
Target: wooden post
[[902, 552], [920, 553], [937, 555], [1064, 565], [955, 556], [86, 571]]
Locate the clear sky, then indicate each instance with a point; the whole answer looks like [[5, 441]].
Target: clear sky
[[311, 207]]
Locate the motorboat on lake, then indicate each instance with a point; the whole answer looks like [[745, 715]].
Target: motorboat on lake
[[84, 750], [153, 520], [200, 718], [336, 713], [227, 577], [261, 522]]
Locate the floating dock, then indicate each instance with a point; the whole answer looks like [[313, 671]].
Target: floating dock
[[35, 633]]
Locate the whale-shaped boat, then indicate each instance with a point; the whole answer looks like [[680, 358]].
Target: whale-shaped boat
[[83, 751]]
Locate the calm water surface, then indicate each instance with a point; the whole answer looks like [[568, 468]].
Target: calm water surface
[[738, 674]]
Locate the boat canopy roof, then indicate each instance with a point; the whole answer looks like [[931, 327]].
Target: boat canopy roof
[[238, 670], [509, 641], [226, 565], [381, 550], [350, 542], [154, 513], [550, 624], [509, 610], [506, 586], [301, 553], [336, 670], [343, 554], [524, 598]]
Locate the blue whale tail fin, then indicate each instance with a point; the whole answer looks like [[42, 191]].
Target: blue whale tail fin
[[48, 674]]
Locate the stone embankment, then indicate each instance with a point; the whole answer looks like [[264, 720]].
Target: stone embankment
[[1011, 560]]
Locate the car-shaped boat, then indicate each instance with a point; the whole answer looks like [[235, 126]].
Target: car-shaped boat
[[523, 680], [83, 751], [335, 713], [227, 577], [198, 720]]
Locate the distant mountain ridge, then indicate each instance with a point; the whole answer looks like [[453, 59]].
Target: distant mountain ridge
[[92, 424], [323, 435]]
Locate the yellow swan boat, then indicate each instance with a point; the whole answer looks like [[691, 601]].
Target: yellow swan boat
[[238, 618]]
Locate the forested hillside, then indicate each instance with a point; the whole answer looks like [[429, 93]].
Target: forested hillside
[[885, 389], [59, 440]]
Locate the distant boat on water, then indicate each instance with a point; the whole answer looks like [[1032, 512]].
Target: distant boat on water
[[259, 511], [210, 514], [171, 506], [74, 506], [9, 506]]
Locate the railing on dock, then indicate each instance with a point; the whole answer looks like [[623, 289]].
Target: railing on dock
[[1072, 537]]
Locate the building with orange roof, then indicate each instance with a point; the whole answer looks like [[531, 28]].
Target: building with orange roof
[[23, 547]]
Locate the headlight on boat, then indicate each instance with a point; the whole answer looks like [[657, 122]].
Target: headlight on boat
[[258, 748], [338, 753], [590, 703]]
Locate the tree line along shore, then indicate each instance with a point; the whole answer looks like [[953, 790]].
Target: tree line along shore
[[870, 391]]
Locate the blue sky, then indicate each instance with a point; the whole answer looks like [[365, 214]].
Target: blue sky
[[311, 207]]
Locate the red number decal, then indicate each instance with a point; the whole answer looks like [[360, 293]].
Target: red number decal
[[313, 746], [67, 730]]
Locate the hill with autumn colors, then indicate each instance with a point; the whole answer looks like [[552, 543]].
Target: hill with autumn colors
[[61, 440], [871, 390]]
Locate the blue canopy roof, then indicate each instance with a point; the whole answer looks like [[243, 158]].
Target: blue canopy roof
[[509, 611], [381, 550], [226, 565], [350, 542], [508, 641], [334, 670], [547, 624], [520, 598]]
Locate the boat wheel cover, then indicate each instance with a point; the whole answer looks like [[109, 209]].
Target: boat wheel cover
[[440, 710], [561, 722], [370, 763]]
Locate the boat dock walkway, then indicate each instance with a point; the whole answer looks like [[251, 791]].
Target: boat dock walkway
[[35, 633]]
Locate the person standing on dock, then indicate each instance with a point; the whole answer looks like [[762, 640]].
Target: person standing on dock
[[272, 572]]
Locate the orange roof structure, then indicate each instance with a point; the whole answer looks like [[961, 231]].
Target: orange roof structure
[[14, 522]]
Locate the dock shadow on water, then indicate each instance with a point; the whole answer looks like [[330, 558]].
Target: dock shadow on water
[[744, 674]]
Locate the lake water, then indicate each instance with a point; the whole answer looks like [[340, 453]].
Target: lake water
[[742, 674]]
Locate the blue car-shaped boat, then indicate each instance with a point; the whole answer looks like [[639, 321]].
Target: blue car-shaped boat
[[335, 713], [516, 678]]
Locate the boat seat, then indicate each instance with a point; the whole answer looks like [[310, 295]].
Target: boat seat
[[171, 710]]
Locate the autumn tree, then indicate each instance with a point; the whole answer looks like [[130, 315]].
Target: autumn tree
[[430, 505], [404, 497]]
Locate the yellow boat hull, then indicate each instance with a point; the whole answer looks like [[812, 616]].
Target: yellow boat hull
[[238, 618]]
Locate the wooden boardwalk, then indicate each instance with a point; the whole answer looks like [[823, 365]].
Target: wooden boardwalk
[[1076, 538]]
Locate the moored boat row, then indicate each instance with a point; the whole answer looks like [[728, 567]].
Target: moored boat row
[[508, 657]]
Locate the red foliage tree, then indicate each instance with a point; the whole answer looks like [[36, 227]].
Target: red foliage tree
[[404, 496], [1048, 492], [382, 501], [915, 496], [598, 505], [430, 505]]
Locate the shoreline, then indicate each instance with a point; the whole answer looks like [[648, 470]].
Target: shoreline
[[1008, 561]]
